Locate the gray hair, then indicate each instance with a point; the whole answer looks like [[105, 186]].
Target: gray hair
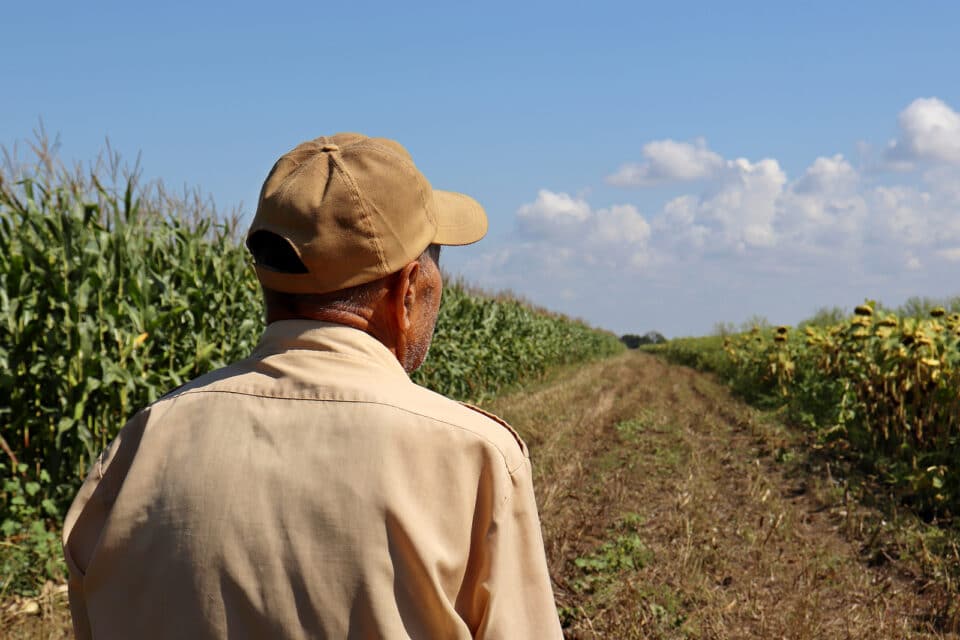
[[273, 252]]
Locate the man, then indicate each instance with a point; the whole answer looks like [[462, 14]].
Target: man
[[312, 490]]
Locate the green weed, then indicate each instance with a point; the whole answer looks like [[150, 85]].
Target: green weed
[[624, 552]]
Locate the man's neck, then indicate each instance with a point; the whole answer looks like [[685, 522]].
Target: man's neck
[[367, 321]]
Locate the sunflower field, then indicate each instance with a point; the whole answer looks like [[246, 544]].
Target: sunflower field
[[882, 385]]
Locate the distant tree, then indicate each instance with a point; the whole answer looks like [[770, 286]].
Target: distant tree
[[760, 322], [634, 341], [915, 306], [826, 317], [724, 329], [654, 337], [918, 307]]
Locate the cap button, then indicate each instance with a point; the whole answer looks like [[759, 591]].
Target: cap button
[[329, 147]]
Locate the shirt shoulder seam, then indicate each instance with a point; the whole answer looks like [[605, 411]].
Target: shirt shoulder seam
[[506, 463]]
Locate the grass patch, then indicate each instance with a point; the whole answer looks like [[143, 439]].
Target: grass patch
[[631, 430], [609, 579], [624, 552], [599, 574]]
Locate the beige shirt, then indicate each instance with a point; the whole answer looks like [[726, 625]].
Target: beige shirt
[[310, 491]]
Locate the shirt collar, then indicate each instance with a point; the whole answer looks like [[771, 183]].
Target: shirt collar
[[315, 335]]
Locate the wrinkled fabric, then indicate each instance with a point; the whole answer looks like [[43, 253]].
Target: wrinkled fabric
[[309, 491]]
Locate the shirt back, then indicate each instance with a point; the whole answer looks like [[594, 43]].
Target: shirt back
[[310, 491]]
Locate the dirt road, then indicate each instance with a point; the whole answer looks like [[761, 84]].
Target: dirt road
[[671, 510]]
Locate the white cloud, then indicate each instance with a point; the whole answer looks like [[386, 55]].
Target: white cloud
[[745, 237], [923, 217], [828, 175], [952, 254], [743, 207], [902, 212], [944, 181], [737, 211], [679, 223], [824, 207], [560, 234], [553, 213], [747, 208], [929, 131], [669, 161], [619, 224]]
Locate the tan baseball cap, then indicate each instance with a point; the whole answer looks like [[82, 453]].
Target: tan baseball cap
[[355, 209]]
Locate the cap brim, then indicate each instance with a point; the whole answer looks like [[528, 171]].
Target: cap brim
[[460, 219]]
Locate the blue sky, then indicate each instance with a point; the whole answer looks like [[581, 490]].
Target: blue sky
[[644, 166]]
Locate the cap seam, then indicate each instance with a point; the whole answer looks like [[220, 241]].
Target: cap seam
[[298, 166], [370, 143], [354, 190], [411, 168]]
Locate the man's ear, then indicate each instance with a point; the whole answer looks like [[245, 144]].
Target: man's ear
[[407, 293]]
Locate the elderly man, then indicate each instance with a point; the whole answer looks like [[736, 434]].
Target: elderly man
[[312, 490]]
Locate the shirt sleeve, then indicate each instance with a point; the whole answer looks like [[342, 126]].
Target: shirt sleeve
[[80, 529], [89, 512], [520, 600]]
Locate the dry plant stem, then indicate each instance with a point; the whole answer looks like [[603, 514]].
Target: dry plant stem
[[7, 450]]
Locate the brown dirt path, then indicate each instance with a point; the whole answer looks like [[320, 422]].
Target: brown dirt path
[[667, 515]]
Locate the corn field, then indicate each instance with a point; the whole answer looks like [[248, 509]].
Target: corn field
[[484, 344], [113, 294]]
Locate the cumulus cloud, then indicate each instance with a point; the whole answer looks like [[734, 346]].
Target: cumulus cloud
[[829, 212], [559, 232], [929, 132], [825, 206], [738, 211], [743, 208], [833, 174], [952, 254], [921, 217], [553, 214], [669, 161], [744, 227], [620, 224]]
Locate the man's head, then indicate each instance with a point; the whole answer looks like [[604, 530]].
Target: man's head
[[348, 230]]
